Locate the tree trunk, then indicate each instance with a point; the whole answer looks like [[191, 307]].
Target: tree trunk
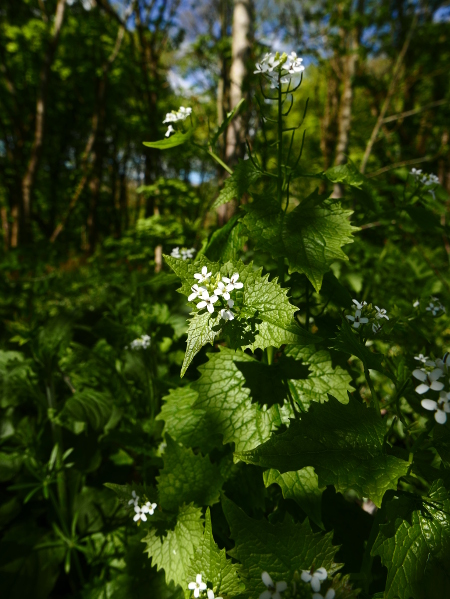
[[29, 178], [240, 49]]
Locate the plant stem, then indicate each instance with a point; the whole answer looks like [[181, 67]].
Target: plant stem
[[280, 145], [307, 305], [376, 403], [221, 162]]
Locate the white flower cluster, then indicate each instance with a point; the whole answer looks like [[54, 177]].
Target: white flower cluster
[[142, 342], [141, 511], [175, 116], [279, 68], [429, 375], [435, 306], [199, 587], [357, 319], [425, 179], [313, 577], [183, 253], [203, 289]]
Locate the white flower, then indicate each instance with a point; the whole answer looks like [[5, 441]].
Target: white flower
[[226, 314], [197, 291], [416, 172], [435, 306], [175, 116], [330, 594], [381, 313], [357, 320], [207, 302], [169, 131], [421, 358], [359, 306], [143, 342], [176, 253], [429, 380], [183, 113], [444, 364], [187, 253], [140, 514], [204, 276], [273, 588], [222, 290], [294, 64], [232, 283], [134, 498], [376, 328], [149, 508], [197, 586], [441, 407], [211, 595], [416, 304], [230, 303], [315, 578]]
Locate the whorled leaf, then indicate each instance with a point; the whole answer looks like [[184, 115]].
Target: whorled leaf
[[415, 547], [174, 552], [303, 487], [344, 444], [214, 566], [280, 549], [187, 477]]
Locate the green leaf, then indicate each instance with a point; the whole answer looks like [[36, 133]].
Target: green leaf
[[244, 175], [89, 406], [201, 331], [175, 551], [346, 173], [322, 379], [222, 393], [348, 342], [310, 236], [303, 487], [227, 120], [187, 477], [193, 428], [214, 566], [344, 444], [313, 236], [227, 242], [415, 548], [177, 139], [280, 549]]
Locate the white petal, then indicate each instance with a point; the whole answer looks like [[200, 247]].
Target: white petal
[[201, 305], [317, 596], [363, 320], [440, 417], [420, 374], [238, 285], [192, 296], [137, 509], [202, 586], [267, 580], [421, 389], [210, 594], [330, 594], [136, 518], [356, 324], [191, 586], [198, 578], [357, 313], [266, 595], [315, 583], [276, 595], [352, 318], [281, 586], [197, 276], [197, 593], [436, 385], [225, 279], [321, 573], [230, 303], [213, 299], [210, 308], [226, 295], [143, 517], [436, 374], [306, 576], [429, 404]]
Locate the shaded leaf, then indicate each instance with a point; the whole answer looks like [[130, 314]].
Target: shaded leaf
[[244, 175]]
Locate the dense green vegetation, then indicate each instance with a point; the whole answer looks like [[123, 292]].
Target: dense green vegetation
[[223, 367]]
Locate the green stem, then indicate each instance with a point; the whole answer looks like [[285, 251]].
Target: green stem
[[307, 305], [376, 403], [270, 352], [280, 145], [219, 161]]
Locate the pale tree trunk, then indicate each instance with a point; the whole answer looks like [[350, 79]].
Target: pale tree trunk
[[240, 49], [29, 178], [349, 65]]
